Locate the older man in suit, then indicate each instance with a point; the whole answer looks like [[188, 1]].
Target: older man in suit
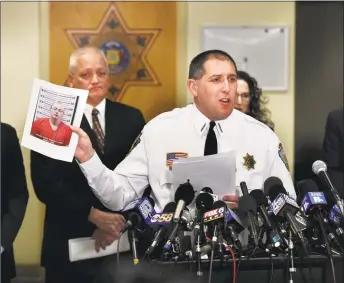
[[333, 148], [72, 210], [14, 198]]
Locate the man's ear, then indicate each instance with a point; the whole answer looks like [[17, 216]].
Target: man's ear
[[69, 81], [192, 86]]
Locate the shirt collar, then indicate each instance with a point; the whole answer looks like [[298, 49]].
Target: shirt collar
[[201, 122], [100, 107]]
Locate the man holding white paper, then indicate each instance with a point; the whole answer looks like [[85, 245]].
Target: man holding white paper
[[208, 126], [72, 210]]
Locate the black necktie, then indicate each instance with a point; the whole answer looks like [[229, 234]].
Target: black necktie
[[211, 142]]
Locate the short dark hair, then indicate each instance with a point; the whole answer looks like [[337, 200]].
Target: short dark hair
[[196, 68]]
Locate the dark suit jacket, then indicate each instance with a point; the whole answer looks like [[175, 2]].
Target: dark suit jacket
[[14, 197], [333, 149], [63, 188]]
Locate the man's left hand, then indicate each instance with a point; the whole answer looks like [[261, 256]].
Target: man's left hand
[[102, 239]]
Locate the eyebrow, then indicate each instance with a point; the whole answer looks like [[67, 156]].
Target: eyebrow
[[220, 75]]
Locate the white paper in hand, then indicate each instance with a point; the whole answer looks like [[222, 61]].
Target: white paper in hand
[[214, 171], [84, 248], [52, 109]]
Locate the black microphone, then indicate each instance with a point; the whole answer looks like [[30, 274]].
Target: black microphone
[[136, 210], [183, 197], [262, 203], [320, 168], [284, 206], [271, 183], [204, 202], [248, 205], [185, 219], [161, 232]]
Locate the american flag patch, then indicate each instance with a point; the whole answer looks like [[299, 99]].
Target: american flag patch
[[174, 156]]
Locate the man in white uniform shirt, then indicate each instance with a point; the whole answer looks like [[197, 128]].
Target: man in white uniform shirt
[[213, 83]]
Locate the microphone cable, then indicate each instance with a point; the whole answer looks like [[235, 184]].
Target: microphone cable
[[211, 265], [118, 240], [228, 248], [272, 268], [237, 270]]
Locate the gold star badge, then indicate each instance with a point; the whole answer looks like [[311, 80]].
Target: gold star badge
[[125, 48], [249, 161]]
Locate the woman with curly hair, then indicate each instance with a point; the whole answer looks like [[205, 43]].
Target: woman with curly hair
[[250, 100]]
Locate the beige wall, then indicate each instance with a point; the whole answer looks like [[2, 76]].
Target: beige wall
[[24, 55], [20, 63]]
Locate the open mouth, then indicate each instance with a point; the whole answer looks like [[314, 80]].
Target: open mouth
[[224, 101]]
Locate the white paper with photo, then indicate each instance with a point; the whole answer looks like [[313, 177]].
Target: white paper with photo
[[62, 104], [214, 171]]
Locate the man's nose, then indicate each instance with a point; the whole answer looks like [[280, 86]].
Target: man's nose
[[225, 87], [239, 99], [95, 79]]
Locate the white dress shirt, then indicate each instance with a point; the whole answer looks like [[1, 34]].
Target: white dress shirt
[[184, 130], [101, 115]]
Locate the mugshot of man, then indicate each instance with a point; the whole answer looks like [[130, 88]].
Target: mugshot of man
[[52, 129]]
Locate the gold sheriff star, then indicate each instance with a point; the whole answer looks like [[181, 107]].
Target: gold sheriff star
[[126, 50], [249, 161]]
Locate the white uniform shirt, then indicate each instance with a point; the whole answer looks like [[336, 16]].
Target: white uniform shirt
[[185, 130]]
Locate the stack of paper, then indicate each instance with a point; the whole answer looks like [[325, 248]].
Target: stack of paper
[[214, 171]]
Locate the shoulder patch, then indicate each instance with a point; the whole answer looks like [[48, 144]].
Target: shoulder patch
[[136, 142], [282, 155]]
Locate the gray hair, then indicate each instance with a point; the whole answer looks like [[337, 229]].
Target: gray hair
[[81, 51]]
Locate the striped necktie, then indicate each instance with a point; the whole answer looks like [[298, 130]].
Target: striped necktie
[[97, 129]]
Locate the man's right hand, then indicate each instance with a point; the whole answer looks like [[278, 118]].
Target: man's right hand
[[84, 150], [110, 223]]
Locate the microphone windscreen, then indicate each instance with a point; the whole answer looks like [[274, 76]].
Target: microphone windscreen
[[275, 190], [186, 193], [207, 190], [170, 207], [270, 183], [319, 166], [247, 203], [218, 204], [259, 197], [307, 186], [204, 202]]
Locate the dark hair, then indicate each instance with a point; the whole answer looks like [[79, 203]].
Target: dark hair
[[196, 68], [257, 101]]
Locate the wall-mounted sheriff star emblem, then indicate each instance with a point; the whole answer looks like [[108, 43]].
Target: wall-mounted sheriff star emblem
[[249, 161], [126, 50]]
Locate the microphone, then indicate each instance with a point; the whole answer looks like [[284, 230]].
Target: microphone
[[183, 197], [284, 206], [222, 215], [138, 209], [185, 219], [314, 203], [262, 202], [248, 205], [320, 168], [204, 202], [209, 191], [270, 184], [162, 220]]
